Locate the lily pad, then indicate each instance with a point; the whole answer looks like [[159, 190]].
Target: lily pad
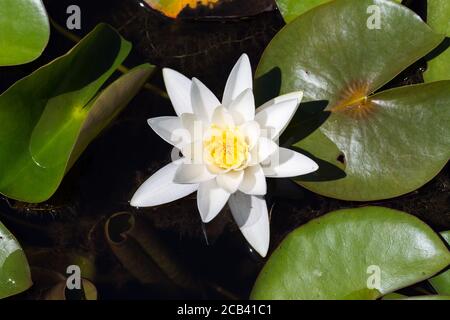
[[25, 31], [388, 143], [15, 275], [441, 283], [338, 255], [438, 13], [50, 116], [291, 9]]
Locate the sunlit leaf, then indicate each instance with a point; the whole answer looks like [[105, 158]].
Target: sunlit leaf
[[438, 13], [361, 253], [388, 143], [291, 9], [441, 283], [24, 31], [51, 115], [15, 274]]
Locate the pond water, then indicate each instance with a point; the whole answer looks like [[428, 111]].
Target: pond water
[[204, 44]]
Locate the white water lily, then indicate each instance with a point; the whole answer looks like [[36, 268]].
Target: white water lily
[[228, 151]]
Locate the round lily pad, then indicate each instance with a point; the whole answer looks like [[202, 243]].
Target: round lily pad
[[361, 253], [387, 143], [291, 9], [25, 31]]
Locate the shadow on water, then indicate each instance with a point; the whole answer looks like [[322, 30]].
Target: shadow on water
[[326, 171], [310, 116], [268, 86]]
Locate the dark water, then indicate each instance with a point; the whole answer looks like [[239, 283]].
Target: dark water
[[114, 165]]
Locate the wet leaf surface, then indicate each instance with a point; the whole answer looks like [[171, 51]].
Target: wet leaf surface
[[291, 9], [379, 146], [24, 32], [15, 274], [339, 255], [438, 13], [54, 113], [441, 283]]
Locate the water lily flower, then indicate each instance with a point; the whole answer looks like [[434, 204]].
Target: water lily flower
[[228, 148]]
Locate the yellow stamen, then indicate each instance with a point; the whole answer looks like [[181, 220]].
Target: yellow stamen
[[226, 148]]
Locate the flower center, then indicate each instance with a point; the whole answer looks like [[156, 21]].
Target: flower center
[[226, 148]]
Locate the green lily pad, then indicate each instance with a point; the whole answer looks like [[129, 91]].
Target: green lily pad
[[438, 13], [388, 143], [441, 283], [338, 255], [25, 31], [15, 275], [291, 9], [50, 116]]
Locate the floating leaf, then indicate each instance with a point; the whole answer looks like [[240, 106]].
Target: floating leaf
[[25, 31], [291, 9], [51, 115], [339, 256], [438, 13], [388, 143], [15, 274], [441, 283]]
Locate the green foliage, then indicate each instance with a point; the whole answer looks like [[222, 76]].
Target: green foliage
[[24, 32], [50, 116], [387, 143], [337, 255]]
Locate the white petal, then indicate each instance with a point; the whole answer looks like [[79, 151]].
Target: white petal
[[204, 102], [289, 164], [193, 152], [254, 181], [230, 181], [239, 80], [170, 129], [222, 117], [179, 90], [263, 150], [211, 199], [243, 107], [275, 118], [160, 188], [252, 132], [194, 126], [250, 213], [192, 173]]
